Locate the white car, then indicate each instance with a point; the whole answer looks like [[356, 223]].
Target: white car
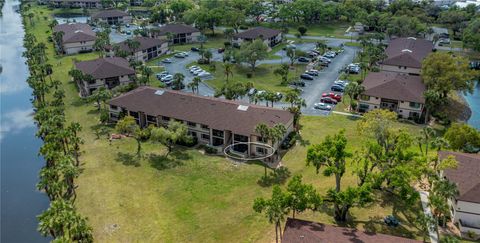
[[195, 69], [324, 59], [197, 72], [342, 83], [322, 106], [204, 74], [167, 78]]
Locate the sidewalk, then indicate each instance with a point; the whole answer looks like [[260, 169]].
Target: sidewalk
[[428, 212]]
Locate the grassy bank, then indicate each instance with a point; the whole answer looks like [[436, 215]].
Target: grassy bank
[[191, 197]]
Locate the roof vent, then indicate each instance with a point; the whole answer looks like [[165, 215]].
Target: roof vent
[[412, 38], [242, 108], [159, 92], [76, 31], [407, 50]]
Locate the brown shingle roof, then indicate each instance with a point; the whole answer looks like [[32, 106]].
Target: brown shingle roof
[[75, 32], [109, 14], [175, 29], [395, 86], [302, 231], [258, 32], [408, 52], [466, 175], [217, 113], [105, 67], [145, 43]]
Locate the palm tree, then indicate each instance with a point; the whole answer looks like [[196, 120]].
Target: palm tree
[[353, 90], [321, 46], [264, 131], [178, 81], [208, 55], [283, 73], [30, 17], [133, 45], [228, 70], [194, 84], [101, 95], [52, 24], [58, 38], [147, 72]]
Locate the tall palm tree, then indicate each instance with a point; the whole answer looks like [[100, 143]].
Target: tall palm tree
[[147, 72], [194, 84], [264, 131], [227, 70], [353, 90], [133, 45], [52, 24], [58, 38], [275, 209], [178, 81]]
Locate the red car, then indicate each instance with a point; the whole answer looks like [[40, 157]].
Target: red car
[[328, 100], [334, 96]]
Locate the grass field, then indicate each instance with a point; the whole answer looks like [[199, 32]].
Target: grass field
[[263, 78], [325, 29], [191, 197]]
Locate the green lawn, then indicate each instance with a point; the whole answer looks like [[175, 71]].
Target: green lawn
[[263, 78], [191, 197], [325, 29], [213, 41]]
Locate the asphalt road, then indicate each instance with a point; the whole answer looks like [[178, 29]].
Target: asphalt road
[[313, 90]]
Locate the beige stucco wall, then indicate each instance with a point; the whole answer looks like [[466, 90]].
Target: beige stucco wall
[[468, 212], [125, 79], [403, 109], [76, 47], [123, 20], [161, 50]]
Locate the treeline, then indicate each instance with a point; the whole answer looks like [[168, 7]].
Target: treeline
[[60, 149]]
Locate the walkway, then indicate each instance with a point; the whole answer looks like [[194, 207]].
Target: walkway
[[426, 210]]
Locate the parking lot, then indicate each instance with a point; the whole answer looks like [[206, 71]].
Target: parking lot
[[312, 92]]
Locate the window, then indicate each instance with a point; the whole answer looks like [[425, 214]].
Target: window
[[261, 150], [151, 118], [205, 136], [193, 134], [113, 107], [164, 118], [414, 105], [217, 133], [240, 138], [376, 98], [205, 127], [191, 124], [134, 114]]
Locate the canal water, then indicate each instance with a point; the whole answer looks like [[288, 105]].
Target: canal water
[[20, 201]]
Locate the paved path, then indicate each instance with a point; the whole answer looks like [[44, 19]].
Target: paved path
[[428, 212], [346, 114]]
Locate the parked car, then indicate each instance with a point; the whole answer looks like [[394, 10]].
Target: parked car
[[328, 100], [337, 88], [161, 75], [329, 54], [167, 60], [306, 76], [312, 54], [166, 78], [312, 73], [298, 83], [303, 59], [322, 106], [221, 50], [204, 74], [334, 96], [342, 83], [323, 64], [252, 91], [195, 49], [179, 55], [196, 72], [324, 59]]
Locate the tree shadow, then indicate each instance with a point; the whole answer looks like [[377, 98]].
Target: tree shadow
[[277, 176], [161, 162], [128, 159]]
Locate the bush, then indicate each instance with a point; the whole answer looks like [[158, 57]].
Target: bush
[[289, 141], [249, 75], [188, 142], [208, 149], [227, 44], [104, 116]]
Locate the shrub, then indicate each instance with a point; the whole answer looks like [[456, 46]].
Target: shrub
[[249, 75], [208, 149], [188, 142], [104, 116]]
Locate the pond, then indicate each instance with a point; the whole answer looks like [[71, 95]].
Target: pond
[[473, 101]]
